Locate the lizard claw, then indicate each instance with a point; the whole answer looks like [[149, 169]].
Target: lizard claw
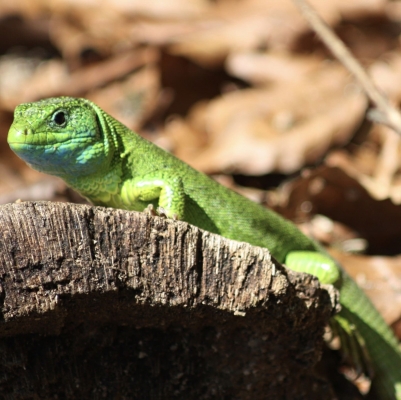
[[162, 212], [150, 210], [159, 212]]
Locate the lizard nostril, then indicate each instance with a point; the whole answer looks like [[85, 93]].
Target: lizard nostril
[[27, 132]]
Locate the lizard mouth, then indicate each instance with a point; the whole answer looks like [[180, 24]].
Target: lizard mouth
[[26, 139]]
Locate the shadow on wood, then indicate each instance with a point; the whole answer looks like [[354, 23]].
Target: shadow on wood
[[103, 303]]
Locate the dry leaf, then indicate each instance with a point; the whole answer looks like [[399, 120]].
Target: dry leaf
[[386, 74], [258, 131], [259, 68], [379, 277], [87, 78], [252, 24], [378, 170], [330, 191], [131, 100]]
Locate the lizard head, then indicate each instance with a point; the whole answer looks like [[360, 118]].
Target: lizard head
[[61, 136]]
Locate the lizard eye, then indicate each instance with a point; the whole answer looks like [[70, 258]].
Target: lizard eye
[[59, 118]]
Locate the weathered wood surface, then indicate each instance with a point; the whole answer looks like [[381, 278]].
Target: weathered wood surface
[[102, 303]]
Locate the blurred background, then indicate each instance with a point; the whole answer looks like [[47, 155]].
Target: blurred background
[[240, 89]]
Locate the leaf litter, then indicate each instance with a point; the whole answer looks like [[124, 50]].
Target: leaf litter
[[242, 90]]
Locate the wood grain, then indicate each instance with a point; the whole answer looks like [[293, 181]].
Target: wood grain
[[104, 303]]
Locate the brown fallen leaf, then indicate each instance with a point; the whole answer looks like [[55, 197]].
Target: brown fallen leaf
[[271, 67], [257, 131], [46, 189], [385, 74], [131, 100], [73, 40], [379, 277], [178, 131], [88, 78], [243, 26], [331, 192], [252, 24], [17, 71], [376, 168]]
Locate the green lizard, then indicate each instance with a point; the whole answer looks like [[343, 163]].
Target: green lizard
[[112, 166]]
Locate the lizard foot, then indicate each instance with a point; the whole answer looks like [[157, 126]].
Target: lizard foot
[[159, 212], [163, 213], [150, 210], [353, 347]]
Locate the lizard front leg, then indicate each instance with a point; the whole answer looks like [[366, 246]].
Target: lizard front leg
[[168, 193]]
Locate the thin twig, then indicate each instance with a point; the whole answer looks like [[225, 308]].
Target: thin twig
[[385, 112]]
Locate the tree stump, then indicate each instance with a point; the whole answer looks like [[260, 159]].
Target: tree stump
[[107, 304]]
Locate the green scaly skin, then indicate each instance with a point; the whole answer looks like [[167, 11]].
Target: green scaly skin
[[113, 166]]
